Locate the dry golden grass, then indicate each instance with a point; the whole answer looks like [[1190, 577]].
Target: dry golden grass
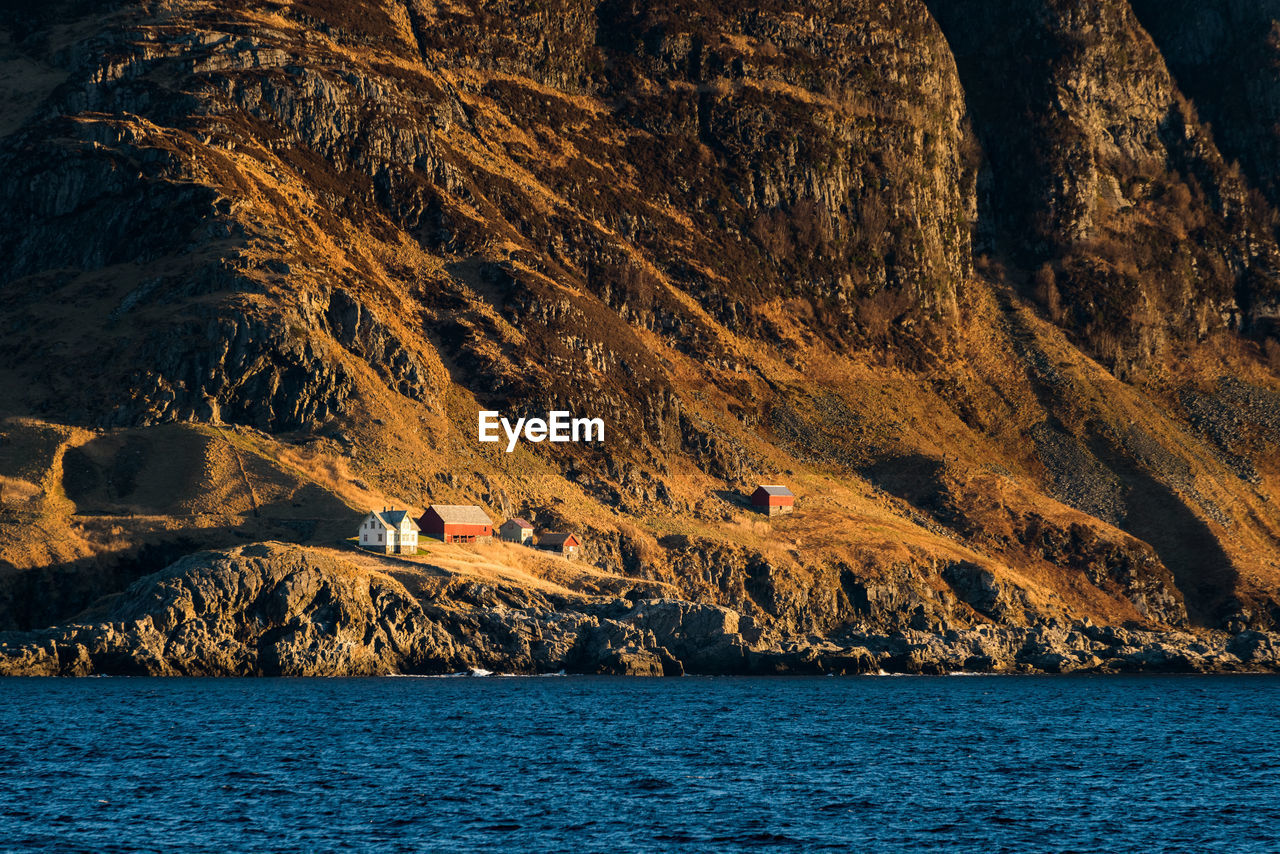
[[503, 564]]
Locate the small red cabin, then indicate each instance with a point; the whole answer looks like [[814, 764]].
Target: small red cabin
[[773, 499], [456, 523], [566, 544]]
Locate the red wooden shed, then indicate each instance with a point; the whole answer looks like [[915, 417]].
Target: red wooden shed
[[566, 544], [772, 498]]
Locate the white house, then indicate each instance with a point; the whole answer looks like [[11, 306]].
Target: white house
[[390, 531]]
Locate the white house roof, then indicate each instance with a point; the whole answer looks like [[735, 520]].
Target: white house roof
[[775, 489], [393, 518], [518, 522], [461, 514]]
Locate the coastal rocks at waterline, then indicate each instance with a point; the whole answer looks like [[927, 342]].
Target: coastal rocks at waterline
[[257, 610], [272, 609]]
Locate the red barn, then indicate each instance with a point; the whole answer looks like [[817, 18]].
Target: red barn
[[773, 499], [457, 523]]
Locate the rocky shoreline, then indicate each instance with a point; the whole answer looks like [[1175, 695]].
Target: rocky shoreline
[[275, 610]]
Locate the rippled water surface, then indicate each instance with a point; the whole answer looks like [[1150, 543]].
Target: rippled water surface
[[618, 765]]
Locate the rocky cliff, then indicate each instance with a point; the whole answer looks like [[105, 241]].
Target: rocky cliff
[[276, 610], [992, 285]]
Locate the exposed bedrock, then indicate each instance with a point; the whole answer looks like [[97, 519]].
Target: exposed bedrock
[[279, 610]]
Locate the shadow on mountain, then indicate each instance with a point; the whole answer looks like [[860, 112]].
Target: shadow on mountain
[[1156, 514], [915, 478], [46, 596]]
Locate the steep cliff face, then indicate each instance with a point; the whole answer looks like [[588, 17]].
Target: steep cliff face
[[735, 157], [742, 234], [1224, 56], [1104, 181]]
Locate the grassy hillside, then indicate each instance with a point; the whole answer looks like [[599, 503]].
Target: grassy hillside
[[264, 264]]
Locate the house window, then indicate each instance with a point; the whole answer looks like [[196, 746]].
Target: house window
[[379, 537]]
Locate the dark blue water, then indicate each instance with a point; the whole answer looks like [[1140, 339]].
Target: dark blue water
[[615, 765]]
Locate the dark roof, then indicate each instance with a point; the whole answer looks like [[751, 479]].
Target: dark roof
[[461, 514], [554, 539], [775, 489], [521, 522], [393, 518]]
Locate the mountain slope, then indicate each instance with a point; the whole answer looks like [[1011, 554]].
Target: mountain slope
[[974, 278]]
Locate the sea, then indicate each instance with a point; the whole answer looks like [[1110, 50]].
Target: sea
[[597, 764]]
